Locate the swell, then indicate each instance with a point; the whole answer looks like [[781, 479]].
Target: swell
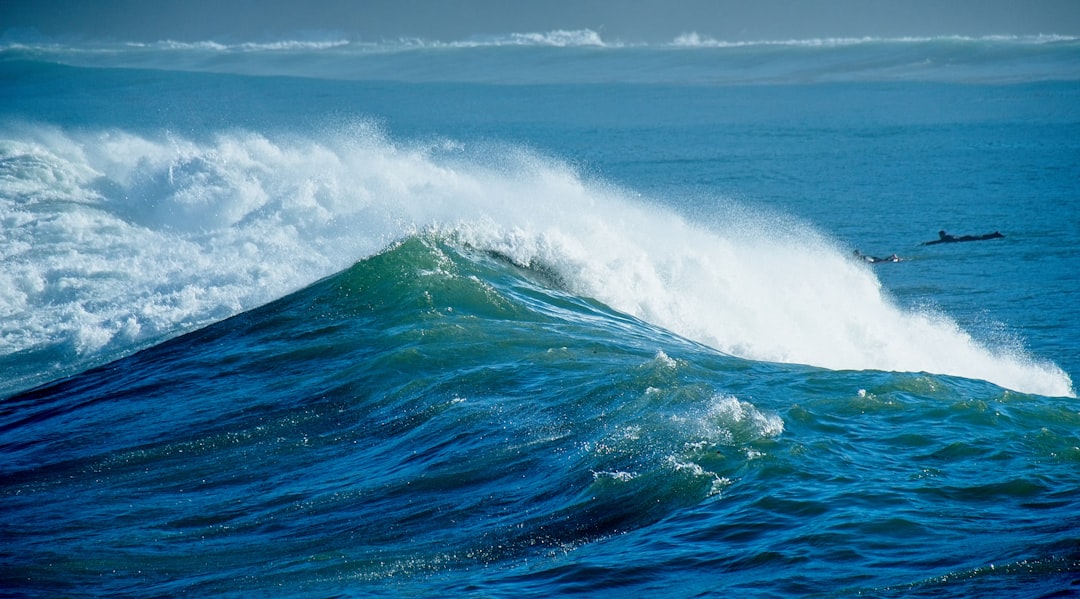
[[552, 38], [583, 56], [434, 415], [426, 409], [118, 241]]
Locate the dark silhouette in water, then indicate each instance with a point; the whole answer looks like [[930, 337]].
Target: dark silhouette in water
[[944, 237], [875, 259]]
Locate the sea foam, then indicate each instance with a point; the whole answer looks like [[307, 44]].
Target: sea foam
[[114, 240]]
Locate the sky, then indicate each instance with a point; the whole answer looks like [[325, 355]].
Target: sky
[[449, 20]]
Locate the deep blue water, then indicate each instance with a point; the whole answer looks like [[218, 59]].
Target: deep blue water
[[533, 316]]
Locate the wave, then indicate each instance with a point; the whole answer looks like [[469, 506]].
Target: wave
[[695, 40], [583, 56], [278, 46], [391, 399], [557, 38], [117, 240]]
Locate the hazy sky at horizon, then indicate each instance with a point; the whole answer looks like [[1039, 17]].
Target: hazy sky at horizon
[[622, 20]]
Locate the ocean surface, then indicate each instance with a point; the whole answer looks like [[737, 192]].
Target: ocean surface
[[540, 314]]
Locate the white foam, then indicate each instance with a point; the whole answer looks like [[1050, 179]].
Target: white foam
[[112, 240], [561, 38], [557, 38], [693, 39], [760, 291], [275, 46]]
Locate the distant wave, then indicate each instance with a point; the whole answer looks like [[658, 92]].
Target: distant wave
[[584, 56], [559, 38], [555, 39], [278, 46], [696, 40]]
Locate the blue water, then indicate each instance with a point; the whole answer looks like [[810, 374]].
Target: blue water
[[534, 315]]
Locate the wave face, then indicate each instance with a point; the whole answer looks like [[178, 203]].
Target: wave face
[[120, 240], [436, 419], [583, 56], [420, 348]]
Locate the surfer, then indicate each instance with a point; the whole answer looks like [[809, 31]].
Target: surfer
[[944, 237], [875, 259]]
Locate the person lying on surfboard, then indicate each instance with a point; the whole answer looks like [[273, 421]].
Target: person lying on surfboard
[[875, 259], [944, 237]]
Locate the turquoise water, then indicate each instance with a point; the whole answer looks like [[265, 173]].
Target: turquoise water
[[514, 317]]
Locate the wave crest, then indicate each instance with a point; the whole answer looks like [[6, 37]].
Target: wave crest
[[529, 58], [694, 39], [116, 240]]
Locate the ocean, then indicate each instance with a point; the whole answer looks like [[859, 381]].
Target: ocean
[[540, 314]]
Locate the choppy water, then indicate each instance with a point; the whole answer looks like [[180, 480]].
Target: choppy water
[[540, 314]]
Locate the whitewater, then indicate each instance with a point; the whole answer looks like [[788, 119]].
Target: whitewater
[[119, 240], [540, 58]]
